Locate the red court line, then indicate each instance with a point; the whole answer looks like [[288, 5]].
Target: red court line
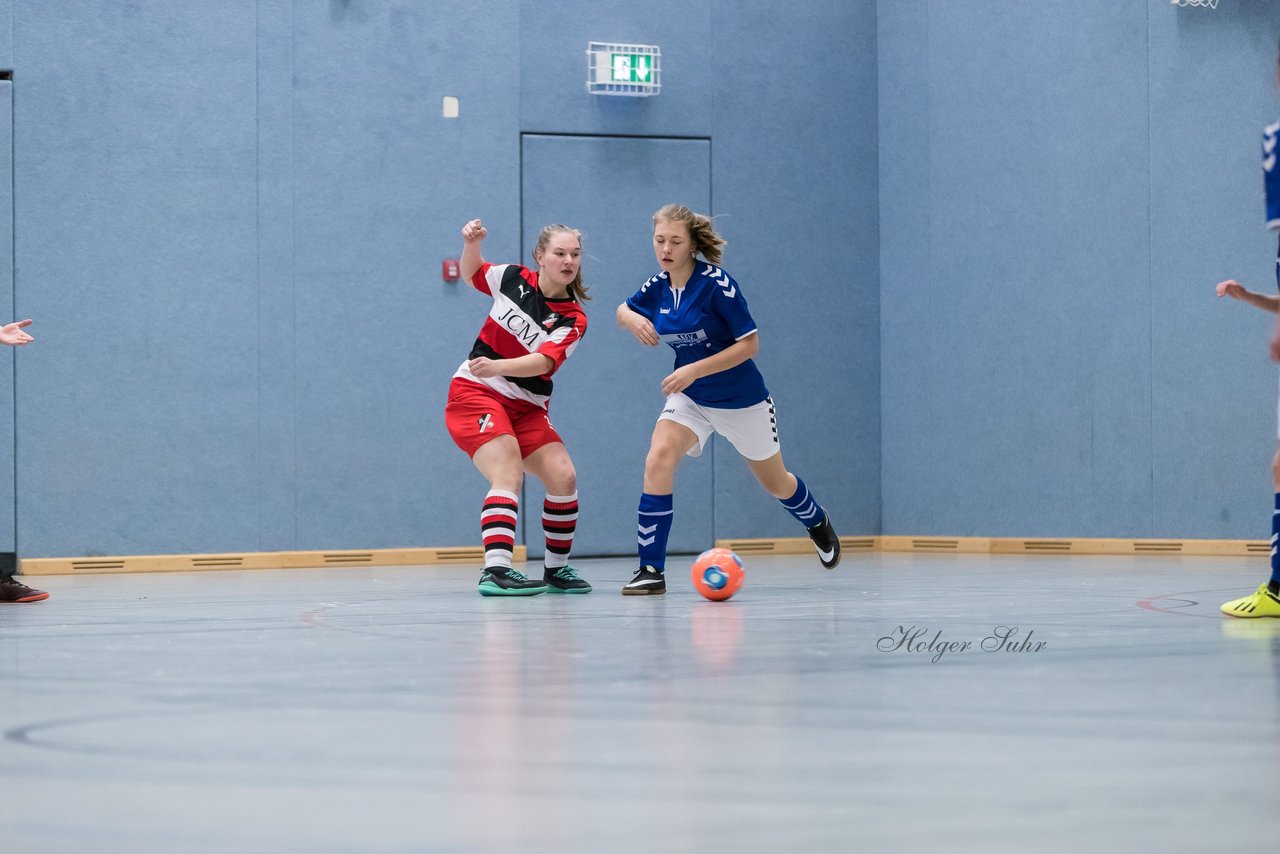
[[1149, 604]]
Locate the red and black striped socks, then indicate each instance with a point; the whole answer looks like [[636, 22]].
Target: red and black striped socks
[[559, 521], [498, 527]]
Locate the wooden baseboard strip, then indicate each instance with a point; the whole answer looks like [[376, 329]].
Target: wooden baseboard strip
[[744, 547], [257, 560], [1009, 545]]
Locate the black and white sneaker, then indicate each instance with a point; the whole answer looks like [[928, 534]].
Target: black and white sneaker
[[647, 582], [826, 542], [500, 581]]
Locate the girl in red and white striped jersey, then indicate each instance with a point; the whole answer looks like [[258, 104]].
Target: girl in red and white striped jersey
[[497, 407]]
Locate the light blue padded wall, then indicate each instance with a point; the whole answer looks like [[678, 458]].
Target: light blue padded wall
[[1213, 88], [787, 97], [1061, 185], [795, 185], [382, 186], [230, 223], [135, 240]]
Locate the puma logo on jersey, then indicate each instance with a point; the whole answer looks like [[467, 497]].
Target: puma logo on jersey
[[485, 421], [523, 290]]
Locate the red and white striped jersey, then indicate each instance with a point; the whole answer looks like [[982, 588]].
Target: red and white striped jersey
[[523, 321]]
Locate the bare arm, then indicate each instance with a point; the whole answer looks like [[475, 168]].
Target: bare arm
[[1235, 290], [637, 324], [730, 357], [532, 365], [473, 233]]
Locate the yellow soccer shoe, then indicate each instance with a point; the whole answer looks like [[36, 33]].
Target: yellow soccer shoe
[[1259, 603]]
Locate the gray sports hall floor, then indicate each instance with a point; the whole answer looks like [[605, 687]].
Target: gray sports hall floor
[[393, 709]]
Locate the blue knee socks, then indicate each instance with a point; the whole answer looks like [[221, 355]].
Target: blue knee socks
[[653, 528], [1274, 584], [801, 505]]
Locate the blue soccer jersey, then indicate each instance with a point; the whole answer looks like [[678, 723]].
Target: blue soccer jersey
[[1271, 183], [708, 315], [1271, 174]]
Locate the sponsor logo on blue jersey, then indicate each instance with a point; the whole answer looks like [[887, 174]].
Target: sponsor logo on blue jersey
[[685, 339]]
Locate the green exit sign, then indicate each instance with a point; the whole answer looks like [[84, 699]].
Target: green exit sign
[[632, 67], [615, 68]]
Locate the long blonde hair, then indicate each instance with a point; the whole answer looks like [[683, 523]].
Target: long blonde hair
[[701, 232], [577, 289]]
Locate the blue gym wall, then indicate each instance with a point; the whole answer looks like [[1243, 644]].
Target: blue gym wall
[[228, 223], [1061, 185], [981, 239]]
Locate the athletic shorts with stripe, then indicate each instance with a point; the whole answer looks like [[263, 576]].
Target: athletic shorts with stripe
[[752, 430], [475, 414]]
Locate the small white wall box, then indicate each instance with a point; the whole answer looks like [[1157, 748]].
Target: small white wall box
[[624, 69]]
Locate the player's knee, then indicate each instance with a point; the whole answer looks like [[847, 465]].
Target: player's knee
[[777, 486], [506, 473], [510, 481], [661, 460], [563, 480]]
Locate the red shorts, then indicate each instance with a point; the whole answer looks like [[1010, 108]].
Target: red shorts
[[475, 414]]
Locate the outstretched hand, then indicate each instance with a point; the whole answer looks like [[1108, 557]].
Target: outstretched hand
[[1231, 288], [13, 335]]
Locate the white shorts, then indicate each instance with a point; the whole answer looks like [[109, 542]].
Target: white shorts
[[753, 431]]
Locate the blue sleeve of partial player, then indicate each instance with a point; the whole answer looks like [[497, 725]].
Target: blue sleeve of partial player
[[1271, 174], [729, 302], [644, 302]]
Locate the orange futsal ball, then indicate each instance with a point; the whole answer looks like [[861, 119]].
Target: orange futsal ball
[[717, 574]]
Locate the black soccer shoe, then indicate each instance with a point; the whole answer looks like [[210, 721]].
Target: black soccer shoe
[[564, 580], [501, 581], [826, 542], [13, 590], [647, 582]]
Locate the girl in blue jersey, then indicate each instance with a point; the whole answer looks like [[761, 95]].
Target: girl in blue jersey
[[1265, 601], [699, 310]]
